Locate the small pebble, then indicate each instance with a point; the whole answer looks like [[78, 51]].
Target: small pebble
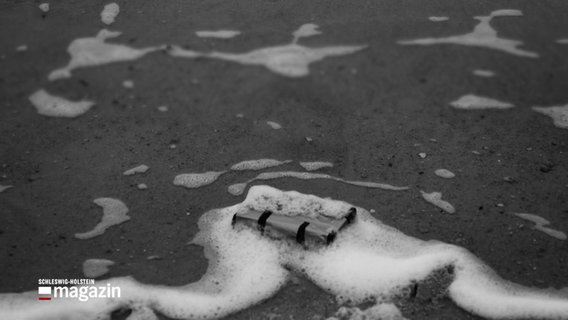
[[444, 173], [44, 7], [128, 84], [274, 125], [509, 179]]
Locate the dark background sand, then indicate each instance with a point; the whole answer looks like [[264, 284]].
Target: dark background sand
[[367, 123]]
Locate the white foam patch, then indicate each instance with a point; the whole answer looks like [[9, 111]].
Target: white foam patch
[[138, 169], [562, 41], [114, 212], [239, 188], [541, 225], [177, 51], [163, 108], [483, 35], [274, 125], [444, 173], [438, 19], [22, 48], [483, 73], [258, 164], [49, 105], [315, 165], [474, 102], [222, 34], [4, 188], [559, 114], [380, 311], [291, 60], [367, 261], [94, 51], [44, 7], [142, 186], [94, 268], [109, 13], [435, 198], [306, 30], [197, 180]]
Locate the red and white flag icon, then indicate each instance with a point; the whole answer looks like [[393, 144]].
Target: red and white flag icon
[[44, 293]]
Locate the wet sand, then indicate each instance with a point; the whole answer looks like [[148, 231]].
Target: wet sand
[[369, 113]]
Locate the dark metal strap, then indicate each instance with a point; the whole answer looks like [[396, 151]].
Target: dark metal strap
[[262, 219], [330, 237], [351, 215], [301, 234]]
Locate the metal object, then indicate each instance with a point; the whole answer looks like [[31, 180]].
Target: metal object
[[321, 228]]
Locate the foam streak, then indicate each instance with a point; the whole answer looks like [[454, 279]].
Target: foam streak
[[483, 35]]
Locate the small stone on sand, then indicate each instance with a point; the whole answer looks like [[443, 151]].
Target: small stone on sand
[[109, 13], [483, 73], [142, 186], [44, 7], [444, 173], [274, 125], [128, 84]]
